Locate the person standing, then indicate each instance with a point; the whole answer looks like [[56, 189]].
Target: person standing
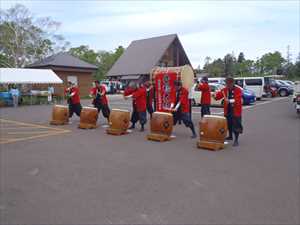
[[205, 96], [73, 99], [150, 95], [100, 100], [15, 93], [140, 97], [132, 87], [232, 95], [183, 105], [50, 94]]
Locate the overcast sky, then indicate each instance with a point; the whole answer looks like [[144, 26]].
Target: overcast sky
[[205, 28]]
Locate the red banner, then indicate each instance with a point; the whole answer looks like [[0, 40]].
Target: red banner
[[165, 91]]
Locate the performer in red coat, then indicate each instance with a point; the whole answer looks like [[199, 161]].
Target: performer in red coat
[[150, 96], [183, 105], [232, 95], [100, 100], [73, 99], [205, 96], [132, 87], [140, 97]]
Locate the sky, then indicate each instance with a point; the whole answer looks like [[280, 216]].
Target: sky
[[205, 28]]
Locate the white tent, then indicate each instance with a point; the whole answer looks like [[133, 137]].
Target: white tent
[[28, 76]]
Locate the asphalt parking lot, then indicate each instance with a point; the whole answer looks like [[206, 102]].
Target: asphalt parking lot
[[65, 175]]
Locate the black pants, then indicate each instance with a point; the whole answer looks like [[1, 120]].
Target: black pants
[[142, 117], [187, 120], [134, 116], [177, 117], [138, 116], [75, 108], [103, 108], [205, 110], [150, 109], [234, 124]]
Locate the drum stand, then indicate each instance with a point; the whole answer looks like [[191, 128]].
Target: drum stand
[[158, 137], [58, 122], [116, 132], [209, 145], [87, 126]]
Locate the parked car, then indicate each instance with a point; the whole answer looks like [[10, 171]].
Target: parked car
[[216, 80], [112, 87], [291, 83], [196, 100], [6, 98], [296, 90], [282, 89], [248, 97], [255, 84]]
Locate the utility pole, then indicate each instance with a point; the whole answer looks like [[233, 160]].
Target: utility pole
[[288, 55]]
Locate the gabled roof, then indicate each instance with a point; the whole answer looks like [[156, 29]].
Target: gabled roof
[[142, 55], [63, 59], [28, 76]]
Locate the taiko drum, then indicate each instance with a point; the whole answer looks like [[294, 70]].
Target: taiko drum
[[60, 115], [88, 118], [212, 131], [118, 121]]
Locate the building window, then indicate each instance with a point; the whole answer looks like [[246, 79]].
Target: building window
[[72, 79]]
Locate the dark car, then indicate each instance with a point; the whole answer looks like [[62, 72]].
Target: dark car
[[6, 98], [282, 89]]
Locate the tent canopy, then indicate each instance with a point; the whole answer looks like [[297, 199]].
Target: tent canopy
[[28, 76]]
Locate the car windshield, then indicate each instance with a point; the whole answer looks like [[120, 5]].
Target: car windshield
[[280, 82], [285, 82]]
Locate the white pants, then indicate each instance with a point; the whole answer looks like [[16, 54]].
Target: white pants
[[15, 100]]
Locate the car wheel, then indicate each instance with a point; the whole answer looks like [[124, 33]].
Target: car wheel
[[283, 93]]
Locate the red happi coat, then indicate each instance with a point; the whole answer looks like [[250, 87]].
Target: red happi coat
[[237, 105]]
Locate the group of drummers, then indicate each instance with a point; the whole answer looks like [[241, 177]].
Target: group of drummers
[[142, 95]]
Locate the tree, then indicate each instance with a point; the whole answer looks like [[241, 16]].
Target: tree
[[241, 57], [84, 53], [104, 60], [25, 39], [245, 68], [216, 68], [229, 65], [271, 62]]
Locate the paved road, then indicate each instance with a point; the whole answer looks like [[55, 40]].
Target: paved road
[[88, 177]]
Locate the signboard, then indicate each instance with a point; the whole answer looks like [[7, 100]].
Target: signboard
[[165, 90]]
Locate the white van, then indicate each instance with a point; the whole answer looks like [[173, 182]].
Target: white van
[[216, 80], [255, 84]]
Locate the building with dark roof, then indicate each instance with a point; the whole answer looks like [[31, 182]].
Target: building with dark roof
[[142, 56], [68, 68]]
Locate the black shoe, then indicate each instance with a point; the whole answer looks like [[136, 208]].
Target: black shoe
[[194, 136], [132, 127], [229, 138], [235, 144], [142, 129]]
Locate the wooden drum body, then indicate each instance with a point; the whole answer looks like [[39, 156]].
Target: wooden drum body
[[88, 118], [118, 122], [161, 126], [213, 131], [60, 115]]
